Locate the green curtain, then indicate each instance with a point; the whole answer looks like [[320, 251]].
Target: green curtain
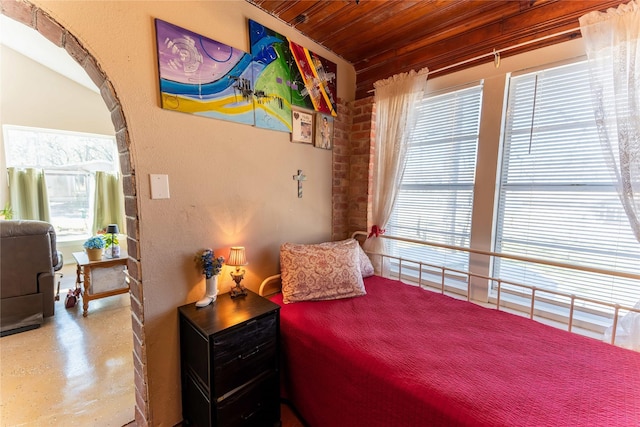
[[28, 194], [109, 202]]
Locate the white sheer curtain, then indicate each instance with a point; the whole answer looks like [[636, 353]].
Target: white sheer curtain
[[395, 106], [612, 41]]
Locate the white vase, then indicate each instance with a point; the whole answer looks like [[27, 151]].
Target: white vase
[[112, 252], [115, 251], [212, 288], [210, 293]]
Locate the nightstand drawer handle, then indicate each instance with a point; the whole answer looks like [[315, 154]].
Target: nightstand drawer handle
[[246, 356], [246, 417]]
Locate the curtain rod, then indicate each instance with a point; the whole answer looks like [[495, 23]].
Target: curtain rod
[[496, 53]]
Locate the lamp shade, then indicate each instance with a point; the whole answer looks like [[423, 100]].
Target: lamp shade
[[237, 256], [112, 229]]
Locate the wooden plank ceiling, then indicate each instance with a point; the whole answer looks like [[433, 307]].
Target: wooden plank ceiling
[[385, 37]]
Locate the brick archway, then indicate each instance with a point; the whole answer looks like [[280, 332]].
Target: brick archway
[[33, 17]]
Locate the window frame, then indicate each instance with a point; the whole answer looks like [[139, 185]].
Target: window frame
[[88, 168], [472, 89], [594, 318]]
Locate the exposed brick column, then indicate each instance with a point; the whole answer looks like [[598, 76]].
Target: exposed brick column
[[353, 167], [28, 14], [340, 174], [361, 164]]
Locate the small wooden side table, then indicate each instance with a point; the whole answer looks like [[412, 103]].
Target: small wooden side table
[[101, 279]]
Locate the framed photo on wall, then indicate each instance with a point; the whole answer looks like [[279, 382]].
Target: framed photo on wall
[[302, 126], [324, 131]]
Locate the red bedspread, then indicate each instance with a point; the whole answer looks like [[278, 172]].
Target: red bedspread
[[402, 356]]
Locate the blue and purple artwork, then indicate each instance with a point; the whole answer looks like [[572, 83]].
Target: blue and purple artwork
[[202, 76]]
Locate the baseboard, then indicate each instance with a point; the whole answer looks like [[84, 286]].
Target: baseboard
[[18, 330]]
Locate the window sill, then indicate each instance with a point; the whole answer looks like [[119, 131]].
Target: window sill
[[72, 240]]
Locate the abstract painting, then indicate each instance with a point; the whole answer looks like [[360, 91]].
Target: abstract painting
[[202, 76], [275, 73], [319, 79], [285, 69]]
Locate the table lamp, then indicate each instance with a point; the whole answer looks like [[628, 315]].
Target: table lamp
[[237, 259], [113, 229]]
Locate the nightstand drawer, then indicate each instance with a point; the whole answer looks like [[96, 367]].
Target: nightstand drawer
[[244, 353], [195, 351], [243, 339], [257, 404], [195, 403]]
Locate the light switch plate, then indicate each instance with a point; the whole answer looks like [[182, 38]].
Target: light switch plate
[[159, 186]]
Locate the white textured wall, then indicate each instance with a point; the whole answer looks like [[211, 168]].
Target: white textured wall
[[230, 184]]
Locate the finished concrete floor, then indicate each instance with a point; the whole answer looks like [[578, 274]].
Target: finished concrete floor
[[73, 370]]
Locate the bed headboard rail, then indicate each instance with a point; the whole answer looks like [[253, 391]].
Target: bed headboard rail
[[270, 285], [534, 292], [405, 270]]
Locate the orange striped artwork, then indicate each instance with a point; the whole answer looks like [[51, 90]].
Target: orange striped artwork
[[319, 78]]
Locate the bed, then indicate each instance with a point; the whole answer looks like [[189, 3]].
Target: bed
[[397, 355]]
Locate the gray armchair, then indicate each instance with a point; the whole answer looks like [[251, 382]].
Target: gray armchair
[[28, 261]]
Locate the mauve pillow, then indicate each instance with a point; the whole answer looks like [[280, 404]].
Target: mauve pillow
[[366, 268], [320, 272]]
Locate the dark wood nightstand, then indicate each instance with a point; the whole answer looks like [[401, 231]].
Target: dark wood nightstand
[[229, 355]]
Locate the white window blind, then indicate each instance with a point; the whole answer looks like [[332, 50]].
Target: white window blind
[[436, 196], [557, 199]]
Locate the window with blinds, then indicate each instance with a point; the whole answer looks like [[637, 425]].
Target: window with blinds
[[557, 199], [436, 196]]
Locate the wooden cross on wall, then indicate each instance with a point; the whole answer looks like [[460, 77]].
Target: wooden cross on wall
[[299, 177]]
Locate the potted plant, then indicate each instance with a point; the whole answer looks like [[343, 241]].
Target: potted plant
[[112, 244], [7, 212], [111, 239], [94, 247]]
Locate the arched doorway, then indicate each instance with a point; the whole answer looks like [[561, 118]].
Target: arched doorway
[[33, 17]]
